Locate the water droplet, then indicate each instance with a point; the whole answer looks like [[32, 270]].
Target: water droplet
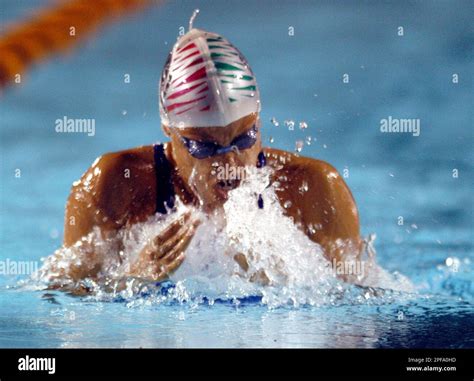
[[274, 122], [287, 204], [325, 146], [271, 140], [309, 140], [299, 145], [124, 112], [303, 125], [304, 187]]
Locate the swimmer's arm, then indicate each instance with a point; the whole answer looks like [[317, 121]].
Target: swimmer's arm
[[105, 198], [83, 212], [333, 214], [118, 189], [87, 206], [324, 207]]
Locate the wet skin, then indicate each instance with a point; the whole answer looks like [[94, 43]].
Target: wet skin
[[119, 190]]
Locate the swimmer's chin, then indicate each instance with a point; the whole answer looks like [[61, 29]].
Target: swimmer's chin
[[221, 195], [217, 203]]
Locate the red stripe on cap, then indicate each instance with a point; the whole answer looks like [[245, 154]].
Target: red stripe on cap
[[183, 111], [204, 89], [201, 73], [198, 74], [180, 104], [184, 58], [195, 62], [189, 46], [185, 91]]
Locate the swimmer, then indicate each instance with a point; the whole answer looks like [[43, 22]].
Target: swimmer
[[209, 106]]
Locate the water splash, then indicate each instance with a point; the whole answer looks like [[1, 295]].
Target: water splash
[[279, 265]]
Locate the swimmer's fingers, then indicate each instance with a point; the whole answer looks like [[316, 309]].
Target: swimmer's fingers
[[257, 277], [172, 260], [242, 261], [180, 246], [166, 240], [171, 267], [260, 277], [184, 233], [172, 229]]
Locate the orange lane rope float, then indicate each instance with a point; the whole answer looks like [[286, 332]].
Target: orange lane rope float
[[56, 30]]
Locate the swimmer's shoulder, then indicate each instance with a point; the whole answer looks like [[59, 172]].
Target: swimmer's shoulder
[[296, 165], [310, 184], [318, 195], [118, 188], [124, 164]]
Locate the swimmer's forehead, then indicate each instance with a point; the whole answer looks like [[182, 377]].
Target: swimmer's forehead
[[218, 133]]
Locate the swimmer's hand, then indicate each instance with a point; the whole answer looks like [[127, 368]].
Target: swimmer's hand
[[259, 277], [164, 254]]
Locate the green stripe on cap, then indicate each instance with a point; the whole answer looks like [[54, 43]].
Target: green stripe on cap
[[224, 66], [215, 55], [251, 88], [244, 77]]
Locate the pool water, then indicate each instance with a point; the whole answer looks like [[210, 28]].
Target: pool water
[[426, 179]]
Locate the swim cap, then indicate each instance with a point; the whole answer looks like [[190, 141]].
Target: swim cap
[[206, 82]]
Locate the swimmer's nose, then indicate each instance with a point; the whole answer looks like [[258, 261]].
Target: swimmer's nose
[[229, 184]]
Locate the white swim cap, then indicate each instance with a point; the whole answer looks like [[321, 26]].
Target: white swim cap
[[206, 82]]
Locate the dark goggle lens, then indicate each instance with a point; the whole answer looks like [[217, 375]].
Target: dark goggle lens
[[246, 140], [200, 150]]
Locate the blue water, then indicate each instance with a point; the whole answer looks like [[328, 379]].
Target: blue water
[[300, 78]]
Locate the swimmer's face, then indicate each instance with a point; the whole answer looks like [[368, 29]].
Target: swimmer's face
[[212, 177]]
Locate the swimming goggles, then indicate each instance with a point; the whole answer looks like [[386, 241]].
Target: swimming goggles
[[204, 150]]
